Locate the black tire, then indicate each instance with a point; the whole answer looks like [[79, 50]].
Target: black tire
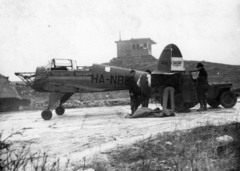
[[59, 110], [46, 114], [214, 103], [179, 105], [228, 99]]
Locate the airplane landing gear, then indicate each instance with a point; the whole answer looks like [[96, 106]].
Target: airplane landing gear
[[46, 114], [60, 110]]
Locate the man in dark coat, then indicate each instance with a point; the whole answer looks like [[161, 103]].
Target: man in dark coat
[[202, 86], [134, 91], [144, 82]]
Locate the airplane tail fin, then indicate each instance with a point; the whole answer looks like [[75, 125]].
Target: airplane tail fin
[[170, 61]]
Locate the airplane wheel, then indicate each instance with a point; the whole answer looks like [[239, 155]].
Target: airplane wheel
[[228, 99], [46, 114], [179, 104], [60, 110]]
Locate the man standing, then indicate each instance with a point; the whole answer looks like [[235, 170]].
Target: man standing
[[144, 82], [202, 86], [168, 96], [134, 91]]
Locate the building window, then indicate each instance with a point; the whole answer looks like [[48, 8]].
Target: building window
[[145, 46], [140, 46], [137, 46]]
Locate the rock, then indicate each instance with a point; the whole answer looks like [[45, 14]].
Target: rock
[[222, 143], [168, 143], [224, 140]]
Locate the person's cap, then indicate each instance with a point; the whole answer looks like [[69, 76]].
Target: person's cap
[[199, 65], [148, 71], [132, 71]]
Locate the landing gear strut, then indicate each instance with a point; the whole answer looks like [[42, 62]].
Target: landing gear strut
[[60, 110], [54, 98], [46, 114]]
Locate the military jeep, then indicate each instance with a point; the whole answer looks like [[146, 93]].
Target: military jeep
[[220, 93], [186, 95]]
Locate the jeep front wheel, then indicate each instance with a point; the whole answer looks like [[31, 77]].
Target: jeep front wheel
[[228, 99]]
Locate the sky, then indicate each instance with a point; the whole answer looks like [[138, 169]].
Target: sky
[[32, 32]]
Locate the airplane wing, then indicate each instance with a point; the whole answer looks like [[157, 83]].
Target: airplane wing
[[86, 88], [70, 87]]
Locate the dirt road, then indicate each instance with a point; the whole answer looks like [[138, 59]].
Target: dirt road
[[83, 132]]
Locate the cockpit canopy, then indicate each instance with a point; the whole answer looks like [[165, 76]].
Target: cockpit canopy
[[62, 64]]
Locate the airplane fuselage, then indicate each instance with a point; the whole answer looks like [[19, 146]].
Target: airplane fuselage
[[95, 79]]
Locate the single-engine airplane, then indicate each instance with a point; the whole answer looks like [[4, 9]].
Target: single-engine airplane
[[62, 78]]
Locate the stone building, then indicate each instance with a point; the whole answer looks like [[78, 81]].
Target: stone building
[[133, 53], [134, 47]]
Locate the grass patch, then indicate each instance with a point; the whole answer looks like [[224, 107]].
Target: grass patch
[[196, 149], [20, 157]]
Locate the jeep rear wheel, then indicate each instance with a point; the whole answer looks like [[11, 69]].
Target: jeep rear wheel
[[214, 103], [228, 99]]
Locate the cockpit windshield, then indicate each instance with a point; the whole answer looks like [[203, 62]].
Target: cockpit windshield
[[61, 64]]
